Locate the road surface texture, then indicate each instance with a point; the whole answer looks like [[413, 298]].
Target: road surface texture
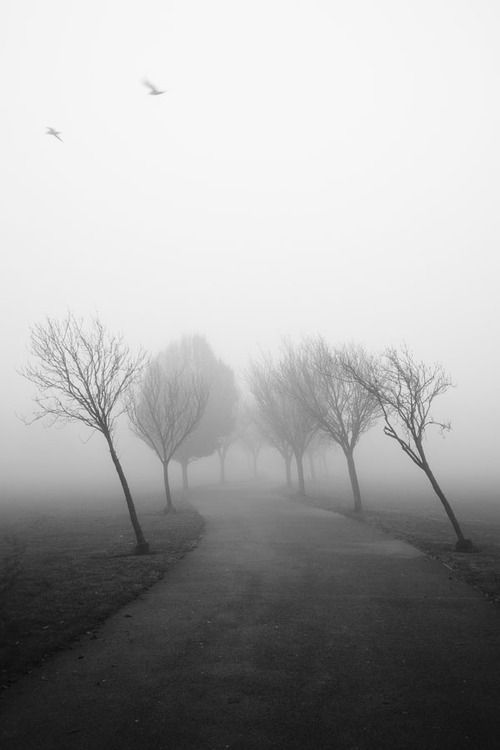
[[288, 627]]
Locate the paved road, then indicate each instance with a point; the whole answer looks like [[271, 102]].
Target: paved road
[[288, 627]]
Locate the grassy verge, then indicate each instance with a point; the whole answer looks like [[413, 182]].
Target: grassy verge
[[431, 532], [61, 574]]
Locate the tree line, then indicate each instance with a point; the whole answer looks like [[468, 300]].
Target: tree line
[[184, 403]]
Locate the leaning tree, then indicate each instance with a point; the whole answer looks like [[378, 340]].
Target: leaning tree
[[167, 405], [405, 390], [83, 374], [342, 409]]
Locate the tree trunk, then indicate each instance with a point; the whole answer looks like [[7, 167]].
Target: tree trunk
[[142, 547], [169, 507], [288, 470], [349, 454], [300, 473], [185, 483], [463, 544]]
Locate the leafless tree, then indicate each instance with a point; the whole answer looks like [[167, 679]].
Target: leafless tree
[[250, 433], [223, 445], [167, 406], [340, 408], [82, 375], [218, 418], [288, 426], [317, 454], [265, 433], [405, 390]]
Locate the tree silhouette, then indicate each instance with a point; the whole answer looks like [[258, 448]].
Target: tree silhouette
[[83, 375], [340, 408], [166, 406], [405, 390]]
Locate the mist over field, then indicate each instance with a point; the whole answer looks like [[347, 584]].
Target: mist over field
[[312, 168]]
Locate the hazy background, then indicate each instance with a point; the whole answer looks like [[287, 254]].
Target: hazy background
[[314, 167]]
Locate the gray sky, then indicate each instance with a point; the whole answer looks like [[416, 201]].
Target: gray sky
[[326, 167]]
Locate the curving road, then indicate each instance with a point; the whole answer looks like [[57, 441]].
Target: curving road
[[288, 627]]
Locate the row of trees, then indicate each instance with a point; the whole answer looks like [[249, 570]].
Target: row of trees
[[183, 403], [304, 394], [183, 406], [339, 394]]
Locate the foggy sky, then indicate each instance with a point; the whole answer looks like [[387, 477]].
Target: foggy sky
[[314, 167]]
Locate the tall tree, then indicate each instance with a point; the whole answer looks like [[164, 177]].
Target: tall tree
[[287, 424], [167, 405], [340, 407], [219, 415], [405, 390], [83, 374]]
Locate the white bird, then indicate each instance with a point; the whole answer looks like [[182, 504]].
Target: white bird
[[55, 133], [153, 91]]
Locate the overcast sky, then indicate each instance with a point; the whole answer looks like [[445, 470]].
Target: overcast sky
[[313, 167]]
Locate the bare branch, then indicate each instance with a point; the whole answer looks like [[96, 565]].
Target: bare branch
[[81, 375], [405, 390], [168, 403]]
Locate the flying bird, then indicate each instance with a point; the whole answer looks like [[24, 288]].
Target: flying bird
[[55, 133], [153, 91]]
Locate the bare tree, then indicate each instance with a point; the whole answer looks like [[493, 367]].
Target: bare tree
[[82, 375], [223, 444], [288, 426], [262, 432], [405, 390], [219, 416], [340, 408], [250, 433], [224, 408], [317, 455], [167, 406]]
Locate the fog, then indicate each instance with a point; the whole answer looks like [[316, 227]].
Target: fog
[[313, 167]]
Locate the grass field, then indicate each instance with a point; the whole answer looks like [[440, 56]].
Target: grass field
[[63, 571]]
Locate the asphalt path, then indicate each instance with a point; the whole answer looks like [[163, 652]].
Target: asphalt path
[[287, 627]]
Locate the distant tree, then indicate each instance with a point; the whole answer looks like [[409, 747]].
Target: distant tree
[[223, 445], [82, 375], [405, 390], [288, 426], [315, 449], [317, 454], [167, 406], [225, 399], [218, 418], [254, 432], [340, 408], [250, 433], [278, 443]]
